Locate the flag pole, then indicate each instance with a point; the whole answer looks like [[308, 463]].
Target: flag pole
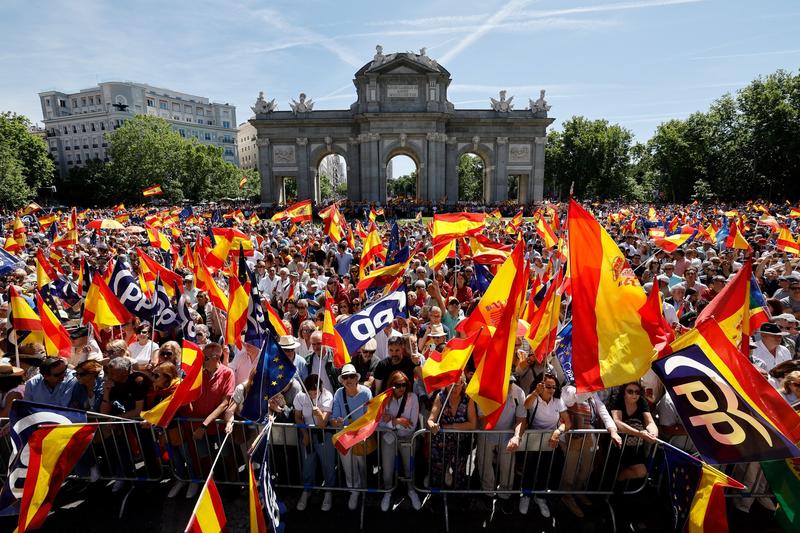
[[210, 474], [444, 404]]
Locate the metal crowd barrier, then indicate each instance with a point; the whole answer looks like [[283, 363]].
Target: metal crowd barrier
[[451, 462]]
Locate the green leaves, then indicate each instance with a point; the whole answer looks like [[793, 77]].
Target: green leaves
[[24, 156]]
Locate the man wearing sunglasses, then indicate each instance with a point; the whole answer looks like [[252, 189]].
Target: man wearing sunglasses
[[53, 385]]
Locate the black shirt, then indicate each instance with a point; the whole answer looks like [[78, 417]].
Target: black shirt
[[385, 369]]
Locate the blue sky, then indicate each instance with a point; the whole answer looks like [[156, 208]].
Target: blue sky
[[635, 62]]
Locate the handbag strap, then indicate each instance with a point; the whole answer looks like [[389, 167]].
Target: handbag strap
[[402, 405], [532, 417]]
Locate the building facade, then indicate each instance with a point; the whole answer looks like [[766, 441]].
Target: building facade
[[246, 143], [402, 108], [76, 123]]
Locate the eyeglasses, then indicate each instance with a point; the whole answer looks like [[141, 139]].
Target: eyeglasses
[[402, 385], [550, 387], [349, 376], [162, 352], [160, 375], [59, 374], [633, 392]]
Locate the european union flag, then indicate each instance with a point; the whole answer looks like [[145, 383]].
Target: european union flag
[[273, 373], [395, 254], [564, 351], [482, 278], [684, 476], [185, 213], [8, 262]]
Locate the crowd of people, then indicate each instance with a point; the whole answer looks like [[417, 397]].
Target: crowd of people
[[125, 370]]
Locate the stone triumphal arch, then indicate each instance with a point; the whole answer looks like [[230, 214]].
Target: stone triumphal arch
[[402, 108]]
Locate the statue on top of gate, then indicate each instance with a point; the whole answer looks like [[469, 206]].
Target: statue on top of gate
[[502, 105]]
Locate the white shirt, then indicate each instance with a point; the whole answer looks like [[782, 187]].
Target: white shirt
[[142, 354], [769, 361], [241, 365], [410, 411], [547, 415], [318, 368], [304, 405]]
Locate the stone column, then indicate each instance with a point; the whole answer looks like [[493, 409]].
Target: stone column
[[451, 170], [353, 162], [537, 190], [376, 177], [305, 185], [436, 166], [501, 170], [268, 188]]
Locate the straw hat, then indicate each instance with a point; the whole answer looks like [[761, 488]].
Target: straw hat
[[9, 370], [288, 342]]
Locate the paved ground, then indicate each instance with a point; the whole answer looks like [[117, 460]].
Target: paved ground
[[147, 509]]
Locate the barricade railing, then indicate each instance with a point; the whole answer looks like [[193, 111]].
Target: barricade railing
[[450, 462]]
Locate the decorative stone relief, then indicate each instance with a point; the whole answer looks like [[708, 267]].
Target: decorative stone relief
[[403, 139], [475, 142], [262, 106], [262, 142], [328, 142], [433, 136], [539, 108], [502, 140], [303, 106], [283, 155], [519, 153]]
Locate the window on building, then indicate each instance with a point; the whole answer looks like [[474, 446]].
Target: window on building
[[182, 132], [83, 128], [207, 136], [176, 107], [62, 102], [47, 102], [210, 122], [91, 100], [151, 102], [187, 109], [99, 100], [74, 129], [200, 111], [226, 124], [74, 102], [78, 158], [83, 101], [102, 126], [65, 130], [93, 127], [188, 119]]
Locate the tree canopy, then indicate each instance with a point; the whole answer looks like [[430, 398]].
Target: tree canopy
[[470, 178], [25, 164]]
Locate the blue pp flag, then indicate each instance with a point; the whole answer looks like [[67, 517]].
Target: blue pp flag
[[357, 329], [564, 352], [273, 373]]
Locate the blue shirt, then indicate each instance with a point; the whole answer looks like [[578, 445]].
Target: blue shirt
[[300, 365], [37, 390], [356, 403]]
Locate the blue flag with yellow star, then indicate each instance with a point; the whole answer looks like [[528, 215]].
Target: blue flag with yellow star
[[273, 372]]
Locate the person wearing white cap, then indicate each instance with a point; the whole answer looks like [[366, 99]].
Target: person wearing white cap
[[769, 351], [348, 405]]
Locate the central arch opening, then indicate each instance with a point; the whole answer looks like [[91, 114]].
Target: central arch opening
[[402, 177], [332, 178], [471, 178]]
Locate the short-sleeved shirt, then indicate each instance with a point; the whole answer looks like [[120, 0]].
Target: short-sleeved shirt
[[215, 388], [513, 409], [638, 413], [356, 404], [36, 390], [142, 354], [242, 365], [304, 405], [385, 369], [365, 369], [132, 391], [546, 415]]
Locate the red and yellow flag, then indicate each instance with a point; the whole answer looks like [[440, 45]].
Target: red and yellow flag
[[458, 224], [544, 321], [102, 308], [443, 369], [205, 281], [238, 300], [615, 329], [11, 245], [19, 231], [23, 317], [786, 242], [274, 320], [360, 429], [56, 338], [157, 239], [257, 522], [334, 224], [546, 233], [54, 451], [331, 338], [372, 249], [188, 389], [489, 385], [155, 190], [151, 269], [208, 515], [299, 212]]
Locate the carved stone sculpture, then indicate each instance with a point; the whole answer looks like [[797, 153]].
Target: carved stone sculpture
[[303, 106], [379, 57], [262, 106], [403, 139], [502, 105], [539, 107]]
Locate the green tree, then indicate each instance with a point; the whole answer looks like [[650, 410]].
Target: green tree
[[16, 192], [680, 150], [405, 185], [470, 178], [30, 151], [325, 188], [90, 184], [592, 154]]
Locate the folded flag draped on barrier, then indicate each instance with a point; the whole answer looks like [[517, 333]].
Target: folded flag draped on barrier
[[360, 429], [731, 413], [274, 371], [53, 452], [697, 489]]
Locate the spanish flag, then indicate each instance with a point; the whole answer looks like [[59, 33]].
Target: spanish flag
[[360, 429], [242, 182], [188, 389], [458, 224], [383, 276], [150, 269], [205, 281], [56, 338], [735, 238], [102, 308], [615, 328], [45, 274], [441, 251], [208, 515], [544, 322], [373, 249], [157, 239], [443, 369], [786, 242], [274, 320], [238, 300], [30, 208], [331, 338], [257, 522], [299, 212], [12, 246], [489, 385], [20, 232], [23, 317], [546, 233], [54, 451], [794, 212], [670, 243], [155, 190], [46, 220]]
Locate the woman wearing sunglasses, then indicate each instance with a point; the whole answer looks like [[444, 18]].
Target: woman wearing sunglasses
[[632, 416], [400, 417]]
